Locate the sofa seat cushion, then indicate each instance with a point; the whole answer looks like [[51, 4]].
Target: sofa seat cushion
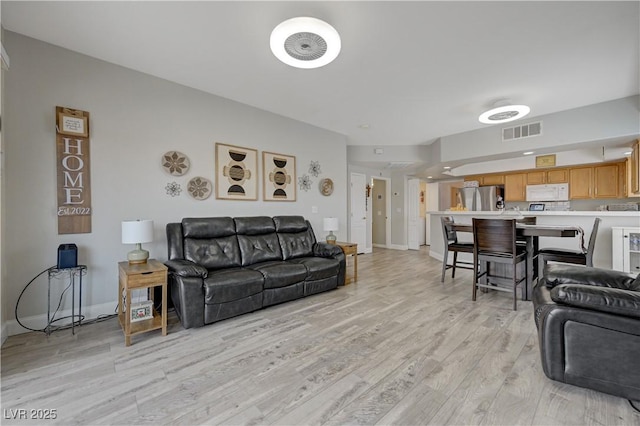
[[227, 285], [318, 268], [280, 274]]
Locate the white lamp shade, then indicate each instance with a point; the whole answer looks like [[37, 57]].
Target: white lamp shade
[[137, 231], [330, 223]]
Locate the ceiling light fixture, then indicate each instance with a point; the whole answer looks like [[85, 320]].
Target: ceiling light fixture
[[503, 112], [528, 153], [305, 42]]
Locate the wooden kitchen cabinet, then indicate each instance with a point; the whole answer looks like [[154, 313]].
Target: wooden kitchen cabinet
[[634, 170], [486, 180], [558, 176], [541, 177], [492, 180], [537, 178], [606, 181], [602, 181], [515, 187], [580, 182]]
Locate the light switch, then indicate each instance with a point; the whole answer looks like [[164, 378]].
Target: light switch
[[314, 209]]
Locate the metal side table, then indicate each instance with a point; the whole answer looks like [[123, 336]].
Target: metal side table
[[55, 273]]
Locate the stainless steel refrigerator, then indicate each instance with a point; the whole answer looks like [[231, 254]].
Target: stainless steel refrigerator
[[483, 198]]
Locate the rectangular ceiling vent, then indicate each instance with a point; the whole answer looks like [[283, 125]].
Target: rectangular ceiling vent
[[521, 132], [398, 165]]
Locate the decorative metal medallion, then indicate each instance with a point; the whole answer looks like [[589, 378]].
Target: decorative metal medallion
[[199, 188], [175, 163], [304, 182], [173, 189], [326, 187], [314, 168]]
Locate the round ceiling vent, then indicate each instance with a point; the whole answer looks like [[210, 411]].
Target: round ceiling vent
[[305, 42]]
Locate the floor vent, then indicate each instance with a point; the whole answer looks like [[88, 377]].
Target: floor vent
[[521, 132]]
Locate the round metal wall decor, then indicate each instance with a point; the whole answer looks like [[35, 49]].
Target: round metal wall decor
[[175, 163], [326, 187], [199, 188]]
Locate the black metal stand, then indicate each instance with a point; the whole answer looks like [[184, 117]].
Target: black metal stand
[[77, 271]]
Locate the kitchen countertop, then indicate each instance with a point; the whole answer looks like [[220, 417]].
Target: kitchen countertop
[[603, 250]]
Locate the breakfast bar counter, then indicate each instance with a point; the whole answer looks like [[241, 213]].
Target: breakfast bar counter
[[584, 219]]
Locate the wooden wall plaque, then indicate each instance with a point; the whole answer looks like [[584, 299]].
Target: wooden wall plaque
[[73, 171], [546, 160]]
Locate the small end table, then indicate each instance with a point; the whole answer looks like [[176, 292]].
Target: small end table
[[135, 277], [76, 271], [350, 249]]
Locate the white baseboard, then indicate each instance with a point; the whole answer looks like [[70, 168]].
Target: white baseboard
[[398, 247], [38, 322], [436, 255], [3, 333]]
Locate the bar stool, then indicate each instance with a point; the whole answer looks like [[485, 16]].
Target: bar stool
[[451, 244], [495, 241], [577, 257]]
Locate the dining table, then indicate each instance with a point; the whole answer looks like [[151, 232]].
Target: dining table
[[531, 233]]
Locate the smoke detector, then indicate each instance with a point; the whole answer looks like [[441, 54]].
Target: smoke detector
[[503, 112], [305, 42]]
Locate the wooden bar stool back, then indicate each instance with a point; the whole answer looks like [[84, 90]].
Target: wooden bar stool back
[[495, 242], [451, 244]]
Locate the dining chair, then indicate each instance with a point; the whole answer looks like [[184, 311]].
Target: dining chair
[[451, 244], [495, 242], [582, 256]]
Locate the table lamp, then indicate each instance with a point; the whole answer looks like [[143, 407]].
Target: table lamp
[[137, 232], [331, 224]]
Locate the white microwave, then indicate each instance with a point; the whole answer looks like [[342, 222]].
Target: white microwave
[[548, 192]]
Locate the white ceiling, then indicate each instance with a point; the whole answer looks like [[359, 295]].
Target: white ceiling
[[411, 71]]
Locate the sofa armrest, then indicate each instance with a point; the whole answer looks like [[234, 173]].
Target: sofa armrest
[[559, 274], [321, 249], [186, 268], [611, 300]]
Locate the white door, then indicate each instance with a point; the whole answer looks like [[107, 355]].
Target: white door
[[358, 226], [413, 214]]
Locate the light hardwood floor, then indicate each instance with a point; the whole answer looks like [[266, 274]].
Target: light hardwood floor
[[397, 347]]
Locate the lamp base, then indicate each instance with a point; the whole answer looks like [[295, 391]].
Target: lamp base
[[331, 239], [138, 255]]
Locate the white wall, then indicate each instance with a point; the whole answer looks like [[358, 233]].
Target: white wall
[[560, 131], [135, 118]]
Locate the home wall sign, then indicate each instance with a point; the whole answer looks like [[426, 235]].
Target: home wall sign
[[73, 171]]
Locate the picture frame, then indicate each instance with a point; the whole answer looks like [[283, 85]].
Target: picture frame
[[279, 177], [72, 125], [236, 172], [546, 160]]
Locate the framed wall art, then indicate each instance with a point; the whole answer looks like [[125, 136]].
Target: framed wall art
[[279, 180], [236, 173], [72, 122]]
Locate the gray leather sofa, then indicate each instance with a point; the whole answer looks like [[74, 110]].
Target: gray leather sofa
[[588, 323], [221, 267]]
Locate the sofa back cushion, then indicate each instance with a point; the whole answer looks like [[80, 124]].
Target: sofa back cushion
[[211, 242], [296, 236], [257, 240]]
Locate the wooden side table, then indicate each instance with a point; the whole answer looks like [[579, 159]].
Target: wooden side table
[[350, 249], [135, 277]]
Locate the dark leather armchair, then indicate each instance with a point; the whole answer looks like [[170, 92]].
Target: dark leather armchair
[[588, 322]]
